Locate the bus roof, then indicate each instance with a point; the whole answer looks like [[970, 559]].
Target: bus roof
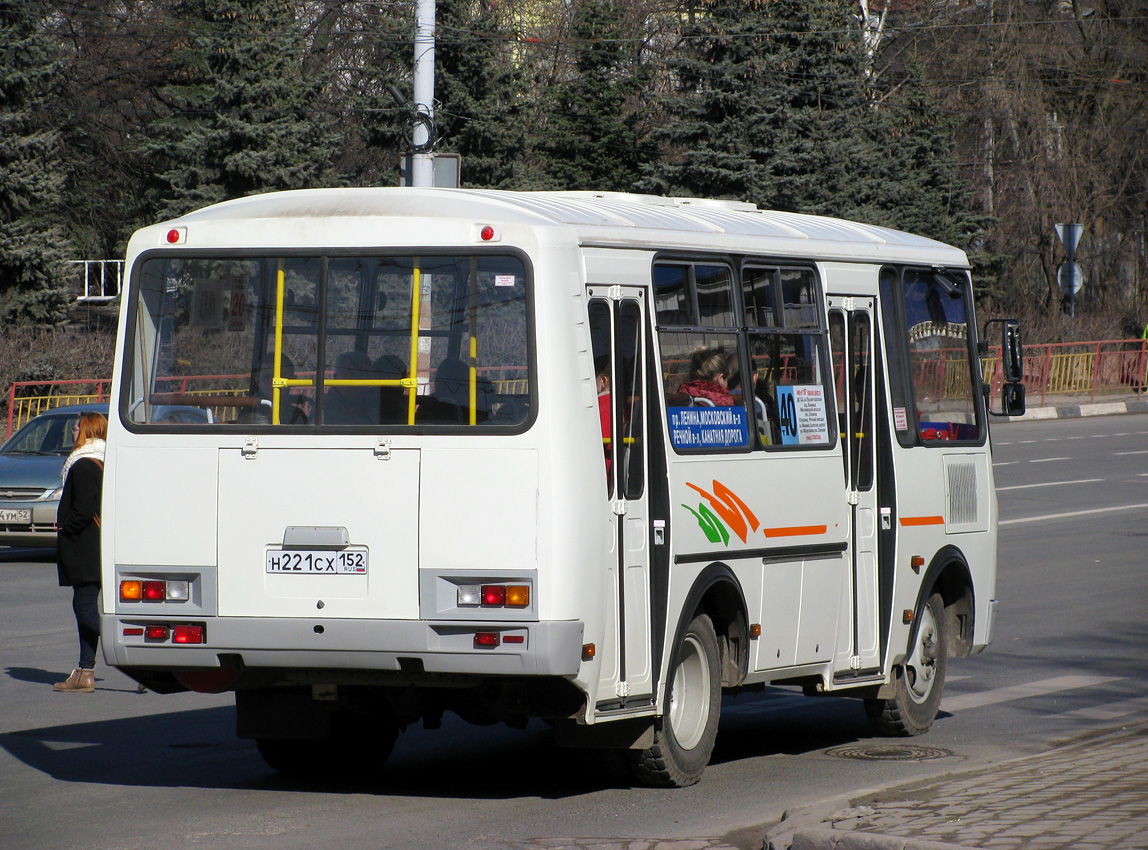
[[593, 218]]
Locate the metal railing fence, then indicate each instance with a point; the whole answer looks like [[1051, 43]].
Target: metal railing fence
[[1096, 369]]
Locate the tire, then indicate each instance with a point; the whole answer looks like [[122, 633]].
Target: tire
[[684, 736], [920, 681], [357, 748]]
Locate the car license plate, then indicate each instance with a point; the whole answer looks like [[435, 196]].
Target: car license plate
[[16, 516], [345, 562]]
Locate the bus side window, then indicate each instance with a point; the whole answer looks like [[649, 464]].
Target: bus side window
[[602, 347]]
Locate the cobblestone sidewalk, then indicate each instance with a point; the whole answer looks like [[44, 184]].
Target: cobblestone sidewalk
[[1090, 795]]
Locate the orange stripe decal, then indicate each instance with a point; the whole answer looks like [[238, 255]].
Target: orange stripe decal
[[795, 531], [922, 520]]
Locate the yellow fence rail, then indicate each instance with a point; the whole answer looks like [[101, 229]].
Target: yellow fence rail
[[1102, 368]]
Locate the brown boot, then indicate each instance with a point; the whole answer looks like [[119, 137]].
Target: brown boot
[[80, 682]]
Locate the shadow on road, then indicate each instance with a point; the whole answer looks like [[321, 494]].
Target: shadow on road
[[198, 749], [13, 555]]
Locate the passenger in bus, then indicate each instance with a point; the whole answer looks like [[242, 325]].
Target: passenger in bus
[[709, 378], [764, 404], [602, 379], [393, 401], [449, 401], [292, 408], [352, 405]]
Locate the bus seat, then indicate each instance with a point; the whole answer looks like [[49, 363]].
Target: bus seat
[[392, 400], [352, 405], [449, 401]]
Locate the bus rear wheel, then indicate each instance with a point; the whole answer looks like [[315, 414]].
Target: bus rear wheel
[[920, 681], [684, 737]]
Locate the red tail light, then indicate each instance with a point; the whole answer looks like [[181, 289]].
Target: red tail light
[[154, 591], [487, 639], [157, 632], [187, 634], [493, 594]]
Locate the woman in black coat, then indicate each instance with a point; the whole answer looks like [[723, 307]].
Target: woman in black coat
[[78, 542]]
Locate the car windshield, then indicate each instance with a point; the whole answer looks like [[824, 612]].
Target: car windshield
[[44, 435]]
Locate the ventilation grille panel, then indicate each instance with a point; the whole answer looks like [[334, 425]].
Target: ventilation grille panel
[[962, 493]]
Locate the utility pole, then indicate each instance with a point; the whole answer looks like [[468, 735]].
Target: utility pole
[[422, 161]]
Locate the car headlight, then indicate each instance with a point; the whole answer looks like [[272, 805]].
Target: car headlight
[[54, 496]]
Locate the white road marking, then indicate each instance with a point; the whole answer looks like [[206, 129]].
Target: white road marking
[[1006, 463], [1049, 484], [1049, 459], [1108, 711], [1032, 689], [1069, 514], [1119, 454]]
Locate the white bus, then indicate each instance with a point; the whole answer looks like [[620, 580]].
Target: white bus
[[587, 457]]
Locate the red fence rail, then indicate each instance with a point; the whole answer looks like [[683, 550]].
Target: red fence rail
[[1102, 368]]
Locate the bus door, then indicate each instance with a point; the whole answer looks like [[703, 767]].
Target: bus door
[[618, 328], [851, 338]]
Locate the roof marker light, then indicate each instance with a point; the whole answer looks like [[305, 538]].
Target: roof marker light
[[176, 236], [487, 233]]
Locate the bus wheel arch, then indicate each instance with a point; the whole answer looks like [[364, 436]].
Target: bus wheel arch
[[708, 652], [941, 628], [953, 580]]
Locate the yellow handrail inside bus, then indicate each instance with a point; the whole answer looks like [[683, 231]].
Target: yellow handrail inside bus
[[277, 375], [416, 296], [472, 362]]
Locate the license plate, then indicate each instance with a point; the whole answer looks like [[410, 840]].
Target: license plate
[[351, 562], [16, 515]]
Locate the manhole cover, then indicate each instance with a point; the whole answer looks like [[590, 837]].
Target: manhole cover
[[887, 752]]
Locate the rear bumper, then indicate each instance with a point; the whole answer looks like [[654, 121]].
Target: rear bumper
[[548, 648]]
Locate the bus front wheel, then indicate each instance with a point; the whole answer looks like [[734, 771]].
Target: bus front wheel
[[920, 681], [684, 736]]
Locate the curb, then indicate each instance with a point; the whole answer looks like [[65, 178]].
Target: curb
[[833, 839], [1077, 411]]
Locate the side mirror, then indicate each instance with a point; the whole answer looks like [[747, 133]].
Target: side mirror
[[1012, 353], [1012, 399], [1012, 367]]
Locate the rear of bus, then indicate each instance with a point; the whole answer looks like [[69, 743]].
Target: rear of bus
[[354, 538]]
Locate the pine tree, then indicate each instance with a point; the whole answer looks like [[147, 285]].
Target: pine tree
[[242, 116], [592, 136], [33, 250], [766, 104], [479, 87]]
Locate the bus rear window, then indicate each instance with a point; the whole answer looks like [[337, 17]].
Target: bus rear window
[[349, 341]]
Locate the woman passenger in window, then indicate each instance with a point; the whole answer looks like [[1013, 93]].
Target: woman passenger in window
[[709, 378]]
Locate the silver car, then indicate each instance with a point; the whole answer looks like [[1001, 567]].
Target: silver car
[[30, 466]]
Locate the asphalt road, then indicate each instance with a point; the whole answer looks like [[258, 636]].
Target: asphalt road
[[120, 770]]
